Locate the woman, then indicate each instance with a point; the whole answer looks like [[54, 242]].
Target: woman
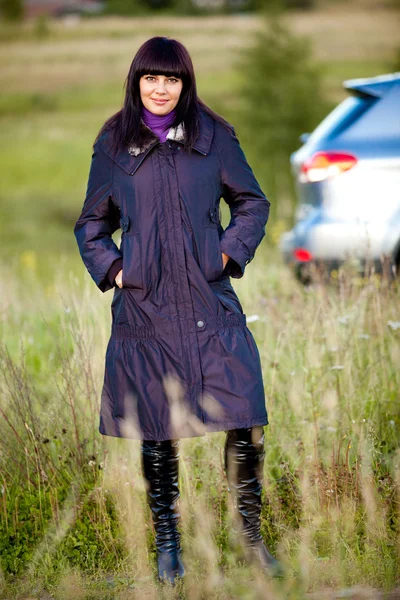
[[180, 360]]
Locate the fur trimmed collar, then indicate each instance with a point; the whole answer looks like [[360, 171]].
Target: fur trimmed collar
[[129, 159], [175, 133]]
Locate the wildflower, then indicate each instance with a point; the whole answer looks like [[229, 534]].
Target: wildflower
[[337, 367], [344, 320], [28, 259], [394, 325], [91, 463], [252, 318], [364, 336]]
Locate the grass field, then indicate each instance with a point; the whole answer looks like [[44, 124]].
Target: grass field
[[75, 501], [74, 523]]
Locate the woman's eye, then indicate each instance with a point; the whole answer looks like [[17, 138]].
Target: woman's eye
[[173, 79]]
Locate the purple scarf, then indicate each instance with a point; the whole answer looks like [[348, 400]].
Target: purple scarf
[[159, 124]]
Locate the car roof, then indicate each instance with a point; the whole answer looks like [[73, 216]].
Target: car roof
[[372, 86]]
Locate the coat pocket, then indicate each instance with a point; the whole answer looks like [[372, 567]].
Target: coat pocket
[[214, 265], [131, 260], [227, 296]]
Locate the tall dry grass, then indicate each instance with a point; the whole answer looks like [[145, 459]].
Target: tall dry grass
[[74, 519]]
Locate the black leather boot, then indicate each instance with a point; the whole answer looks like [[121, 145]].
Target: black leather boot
[[244, 455], [160, 468]]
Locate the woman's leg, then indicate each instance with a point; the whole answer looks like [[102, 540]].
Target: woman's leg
[[244, 455], [160, 468]]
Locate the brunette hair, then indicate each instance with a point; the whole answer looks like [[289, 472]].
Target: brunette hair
[[159, 56]]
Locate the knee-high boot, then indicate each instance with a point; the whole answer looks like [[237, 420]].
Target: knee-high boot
[[244, 455], [160, 468]]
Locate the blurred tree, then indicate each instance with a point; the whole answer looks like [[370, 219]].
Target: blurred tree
[[281, 97], [156, 4], [200, 7], [126, 7], [394, 64], [12, 10], [42, 26], [268, 5]]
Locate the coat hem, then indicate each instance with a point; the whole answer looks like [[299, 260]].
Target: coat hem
[[210, 428]]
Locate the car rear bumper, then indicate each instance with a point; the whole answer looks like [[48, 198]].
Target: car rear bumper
[[335, 241]]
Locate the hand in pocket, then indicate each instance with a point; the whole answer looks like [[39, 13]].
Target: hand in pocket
[[225, 259], [118, 279]]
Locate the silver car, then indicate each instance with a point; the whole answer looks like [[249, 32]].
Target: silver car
[[348, 183]]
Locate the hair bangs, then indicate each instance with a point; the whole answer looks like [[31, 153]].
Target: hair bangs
[[162, 59]]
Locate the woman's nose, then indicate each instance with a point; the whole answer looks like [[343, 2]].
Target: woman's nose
[[160, 89]]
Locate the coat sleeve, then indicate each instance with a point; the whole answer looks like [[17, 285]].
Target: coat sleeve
[[98, 220], [248, 206]]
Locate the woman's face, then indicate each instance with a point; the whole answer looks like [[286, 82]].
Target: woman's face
[[159, 87]]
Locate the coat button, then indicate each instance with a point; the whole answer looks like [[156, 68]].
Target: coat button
[[200, 323], [213, 215]]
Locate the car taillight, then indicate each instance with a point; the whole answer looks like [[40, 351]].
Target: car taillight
[[302, 254], [322, 165]]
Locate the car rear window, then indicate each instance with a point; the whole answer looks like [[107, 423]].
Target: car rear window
[[344, 115]]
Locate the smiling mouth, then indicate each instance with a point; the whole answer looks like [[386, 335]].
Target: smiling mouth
[[160, 101]]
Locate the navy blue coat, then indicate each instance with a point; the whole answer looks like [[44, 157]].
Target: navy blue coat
[[180, 360]]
